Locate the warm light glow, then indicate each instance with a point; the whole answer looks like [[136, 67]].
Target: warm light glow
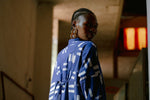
[[130, 38], [135, 38], [141, 38]]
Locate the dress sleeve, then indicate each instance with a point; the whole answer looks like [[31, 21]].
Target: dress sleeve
[[90, 75]]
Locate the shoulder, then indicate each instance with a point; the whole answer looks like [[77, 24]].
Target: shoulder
[[90, 45], [62, 53]]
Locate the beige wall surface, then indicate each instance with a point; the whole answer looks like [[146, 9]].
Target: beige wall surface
[[25, 47], [43, 51], [17, 36]]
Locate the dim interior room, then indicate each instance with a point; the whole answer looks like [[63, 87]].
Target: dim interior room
[[32, 32]]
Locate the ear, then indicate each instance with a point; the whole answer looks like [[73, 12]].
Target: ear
[[74, 23]]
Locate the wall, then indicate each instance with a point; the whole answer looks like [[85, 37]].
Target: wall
[[43, 51], [138, 90], [63, 34], [17, 36]]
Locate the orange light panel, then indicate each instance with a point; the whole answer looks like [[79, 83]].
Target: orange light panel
[[130, 38], [141, 38]]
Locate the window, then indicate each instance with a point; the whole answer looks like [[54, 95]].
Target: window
[[135, 38]]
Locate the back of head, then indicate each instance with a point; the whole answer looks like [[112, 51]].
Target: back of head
[[79, 12]]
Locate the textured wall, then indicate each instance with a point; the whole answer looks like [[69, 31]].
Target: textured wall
[[17, 33]]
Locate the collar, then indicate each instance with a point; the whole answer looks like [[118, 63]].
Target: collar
[[73, 40]]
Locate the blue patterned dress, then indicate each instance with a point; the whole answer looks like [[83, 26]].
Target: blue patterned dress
[[77, 73]]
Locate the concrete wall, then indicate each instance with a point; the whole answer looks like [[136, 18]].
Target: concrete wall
[[25, 47], [136, 87], [43, 51], [17, 37]]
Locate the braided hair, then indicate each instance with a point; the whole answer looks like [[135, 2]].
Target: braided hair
[[79, 12]]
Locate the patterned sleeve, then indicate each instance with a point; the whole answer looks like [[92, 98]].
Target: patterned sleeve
[[90, 75]]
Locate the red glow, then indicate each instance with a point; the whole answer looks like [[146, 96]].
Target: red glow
[[141, 32], [135, 38], [129, 38]]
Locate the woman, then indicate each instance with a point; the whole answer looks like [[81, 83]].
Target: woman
[[77, 73]]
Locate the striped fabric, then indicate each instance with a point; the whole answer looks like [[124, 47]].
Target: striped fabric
[[77, 73]]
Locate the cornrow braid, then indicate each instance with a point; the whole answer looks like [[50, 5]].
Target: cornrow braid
[[79, 12]]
